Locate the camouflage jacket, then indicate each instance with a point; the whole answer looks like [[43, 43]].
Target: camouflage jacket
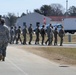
[[4, 34]]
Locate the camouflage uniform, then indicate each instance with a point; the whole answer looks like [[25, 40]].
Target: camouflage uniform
[[55, 36], [42, 34], [30, 33], [15, 34], [24, 31], [4, 39], [18, 35], [49, 35], [11, 35], [37, 31], [61, 34]]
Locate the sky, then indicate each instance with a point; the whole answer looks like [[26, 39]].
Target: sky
[[20, 6]]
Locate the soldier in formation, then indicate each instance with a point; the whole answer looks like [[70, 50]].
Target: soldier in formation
[[37, 32], [55, 36], [49, 32], [18, 35], [11, 35], [30, 30], [24, 32], [61, 35], [15, 33], [42, 34]]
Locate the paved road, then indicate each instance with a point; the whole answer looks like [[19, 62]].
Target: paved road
[[20, 62]]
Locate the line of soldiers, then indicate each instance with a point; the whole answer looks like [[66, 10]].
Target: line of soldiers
[[50, 32], [15, 34]]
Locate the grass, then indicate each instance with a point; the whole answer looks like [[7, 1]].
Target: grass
[[58, 54]]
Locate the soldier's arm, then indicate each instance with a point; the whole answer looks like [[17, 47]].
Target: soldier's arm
[[8, 34]]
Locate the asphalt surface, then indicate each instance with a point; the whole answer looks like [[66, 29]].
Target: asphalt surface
[[20, 62]]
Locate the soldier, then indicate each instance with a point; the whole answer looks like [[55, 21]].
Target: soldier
[[15, 33], [37, 31], [61, 35], [55, 36], [11, 35], [4, 39], [49, 35], [24, 31], [30, 33], [42, 34], [19, 35]]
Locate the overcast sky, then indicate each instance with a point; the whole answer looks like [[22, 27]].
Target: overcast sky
[[19, 6]]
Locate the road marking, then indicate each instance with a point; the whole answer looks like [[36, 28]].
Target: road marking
[[17, 67]]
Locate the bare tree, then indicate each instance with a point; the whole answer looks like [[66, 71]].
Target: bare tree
[[57, 9], [72, 11], [11, 19]]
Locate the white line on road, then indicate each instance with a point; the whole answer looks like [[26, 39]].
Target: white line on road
[[17, 67]]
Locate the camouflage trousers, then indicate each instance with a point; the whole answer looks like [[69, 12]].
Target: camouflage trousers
[[3, 49]]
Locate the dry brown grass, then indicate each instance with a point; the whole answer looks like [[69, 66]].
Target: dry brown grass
[[57, 54]]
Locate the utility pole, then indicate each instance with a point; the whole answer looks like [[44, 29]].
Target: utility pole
[[66, 8]]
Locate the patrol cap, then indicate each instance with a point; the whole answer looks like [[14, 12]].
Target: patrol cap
[[11, 27], [19, 27], [30, 24], [50, 24], [2, 20], [43, 26]]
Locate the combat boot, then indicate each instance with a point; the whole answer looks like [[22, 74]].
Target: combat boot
[[0, 57], [3, 58]]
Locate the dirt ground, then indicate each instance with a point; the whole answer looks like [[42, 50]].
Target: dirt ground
[[51, 56]]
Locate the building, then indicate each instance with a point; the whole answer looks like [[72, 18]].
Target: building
[[32, 18], [59, 19]]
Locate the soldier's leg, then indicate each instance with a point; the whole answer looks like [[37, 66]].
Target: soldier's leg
[[3, 54], [36, 39], [0, 54], [49, 41], [54, 41], [11, 40], [42, 39], [20, 40], [30, 39], [61, 41], [24, 39], [1, 51], [16, 40]]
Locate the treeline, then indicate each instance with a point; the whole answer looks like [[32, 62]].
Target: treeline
[[56, 10], [47, 10]]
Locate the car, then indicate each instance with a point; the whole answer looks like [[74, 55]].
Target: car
[[58, 26]]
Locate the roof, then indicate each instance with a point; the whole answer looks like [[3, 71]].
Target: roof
[[59, 18]]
